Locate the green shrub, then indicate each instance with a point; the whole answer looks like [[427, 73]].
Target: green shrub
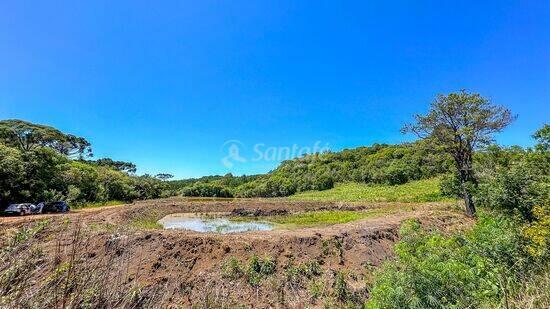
[[258, 269], [450, 186], [514, 180], [538, 232], [254, 264], [435, 271], [341, 291], [310, 269], [232, 269], [316, 288], [268, 266], [255, 270], [512, 189]]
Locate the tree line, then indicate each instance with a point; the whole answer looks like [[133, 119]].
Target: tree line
[[377, 164], [41, 163]]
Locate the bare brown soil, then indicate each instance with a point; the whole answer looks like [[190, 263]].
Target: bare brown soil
[[175, 268]]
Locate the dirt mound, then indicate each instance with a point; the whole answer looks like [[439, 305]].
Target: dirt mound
[[100, 255], [243, 212]]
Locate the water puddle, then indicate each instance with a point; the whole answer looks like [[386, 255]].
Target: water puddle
[[219, 225]]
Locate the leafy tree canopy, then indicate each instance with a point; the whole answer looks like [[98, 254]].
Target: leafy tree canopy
[[28, 136], [459, 123], [122, 166], [164, 176], [543, 138]]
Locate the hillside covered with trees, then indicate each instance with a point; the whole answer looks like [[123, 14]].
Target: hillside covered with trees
[[377, 164]]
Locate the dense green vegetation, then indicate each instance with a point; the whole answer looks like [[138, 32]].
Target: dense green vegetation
[[209, 186], [378, 164], [481, 268], [503, 262], [40, 163], [426, 190]]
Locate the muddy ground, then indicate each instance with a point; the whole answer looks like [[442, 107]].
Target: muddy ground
[[101, 257]]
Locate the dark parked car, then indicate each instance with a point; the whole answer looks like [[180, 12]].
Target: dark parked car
[[23, 209], [59, 206]]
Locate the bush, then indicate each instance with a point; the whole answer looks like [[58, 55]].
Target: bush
[[11, 172], [450, 186], [512, 189], [256, 269], [435, 271], [514, 182], [232, 269], [147, 187], [538, 232], [268, 266], [207, 190], [341, 290]]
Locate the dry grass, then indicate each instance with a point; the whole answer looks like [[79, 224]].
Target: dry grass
[[68, 278], [534, 292]]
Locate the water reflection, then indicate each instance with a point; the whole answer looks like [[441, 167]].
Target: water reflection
[[216, 225]]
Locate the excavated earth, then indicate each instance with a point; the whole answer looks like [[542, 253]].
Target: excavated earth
[[180, 268]]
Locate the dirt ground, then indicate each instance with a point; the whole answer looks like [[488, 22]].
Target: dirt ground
[[99, 252]]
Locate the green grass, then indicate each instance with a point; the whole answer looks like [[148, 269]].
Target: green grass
[[324, 217], [25, 233], [146, 224], [426, 190], [107, 227], [98, 204], [147, 220]]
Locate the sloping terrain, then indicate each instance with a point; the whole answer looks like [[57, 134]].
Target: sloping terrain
[[110, 257], [425, 190]]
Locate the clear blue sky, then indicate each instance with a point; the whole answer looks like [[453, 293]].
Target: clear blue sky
[[165, 83]]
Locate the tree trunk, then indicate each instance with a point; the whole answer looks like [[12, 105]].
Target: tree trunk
[[468, 202], [464, 164], [465, 179]]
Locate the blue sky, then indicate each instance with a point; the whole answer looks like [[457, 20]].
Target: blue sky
[[165, 84]]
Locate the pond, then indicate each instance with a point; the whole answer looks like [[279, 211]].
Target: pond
[[219, 225]]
